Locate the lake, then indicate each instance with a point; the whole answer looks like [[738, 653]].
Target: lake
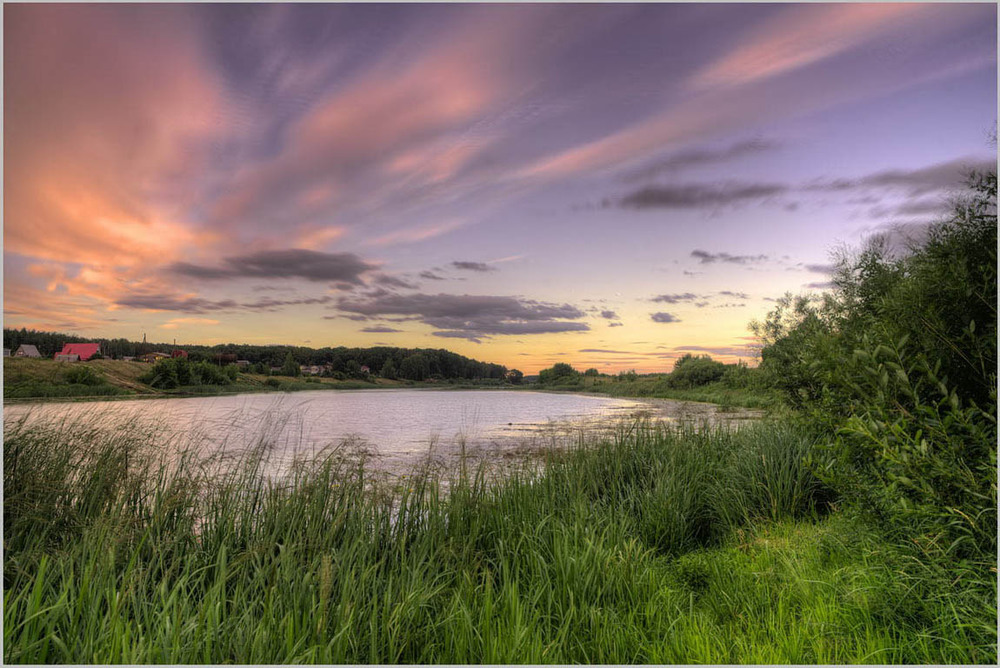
[[399, 428]]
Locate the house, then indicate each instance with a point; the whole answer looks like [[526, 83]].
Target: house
[[313, 370], [153, 357], [243, 364], [365, 369], [179, 353], [128, 358], [84, 350], [27, 350], [60, 357]]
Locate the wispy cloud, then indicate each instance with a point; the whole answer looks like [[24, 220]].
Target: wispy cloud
[[472, 317], [480, 267], [696, 196], [291, 263], [705, 257]]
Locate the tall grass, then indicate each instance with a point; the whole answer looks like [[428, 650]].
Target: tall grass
[[657, 546]]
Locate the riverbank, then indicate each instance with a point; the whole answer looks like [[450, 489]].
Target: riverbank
[[655, 386], [654, 546], [35, 380]]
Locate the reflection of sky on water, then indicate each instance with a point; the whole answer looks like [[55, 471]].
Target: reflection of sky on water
[[400, 429]]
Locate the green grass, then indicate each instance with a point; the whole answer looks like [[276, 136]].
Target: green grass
[[655, 387], [655, 547]]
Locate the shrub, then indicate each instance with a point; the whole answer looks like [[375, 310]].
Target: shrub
[[560, 373], [82, 375], [691, 371], [899, 362]]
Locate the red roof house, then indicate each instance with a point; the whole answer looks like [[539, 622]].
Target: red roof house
[[84, 350], [179, 353]]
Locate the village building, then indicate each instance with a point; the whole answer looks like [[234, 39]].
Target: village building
[[83, 351], [313, 370], [243, 364], [179, 353], [153, 357], [27, 350]]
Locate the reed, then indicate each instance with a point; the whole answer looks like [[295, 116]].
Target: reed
[[655, 546]]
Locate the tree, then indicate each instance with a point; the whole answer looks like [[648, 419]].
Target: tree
[[290, 367], [558, 373], [415, 367], [692, 371], [591, 373], [515, 376], [388, 370]]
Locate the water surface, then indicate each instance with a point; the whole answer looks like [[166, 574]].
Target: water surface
[[399, 428]]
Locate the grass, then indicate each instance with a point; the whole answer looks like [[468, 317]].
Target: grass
[[26, 378], [658, 546], [655, 387]]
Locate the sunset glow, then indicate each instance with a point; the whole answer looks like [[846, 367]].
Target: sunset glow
[[606, 185]]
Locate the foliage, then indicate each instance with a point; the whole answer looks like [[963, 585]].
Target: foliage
[[632, 551], [591, 373], [388, 370], [900, 363], [171, 373], [290, 367], [443, 363], [415, 367], [79, 374], [558, 374], [693, 371]]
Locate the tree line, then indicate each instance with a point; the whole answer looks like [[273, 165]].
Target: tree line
[[406, 363]]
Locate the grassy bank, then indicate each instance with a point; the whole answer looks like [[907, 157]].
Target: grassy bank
[[33, 379], [656, 386], [30, 379], [656, 547]]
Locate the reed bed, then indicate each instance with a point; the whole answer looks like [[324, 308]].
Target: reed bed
[[655, 545]]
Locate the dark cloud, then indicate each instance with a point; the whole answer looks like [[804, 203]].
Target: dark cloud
[[942, 176], [380, 329], [821, 268], [609, 315], [664, 317], [823, 285], [472, 317], [735, 351], [738, 295], [393, 281], [431, 276], [164, 302], [288, 263], [473, 266], [700, 157], [615, 324], [161, 302], [704, 257], [674, 299], [698, 195]]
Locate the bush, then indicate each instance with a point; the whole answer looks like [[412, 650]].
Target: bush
[[691, 371], [168, 374], [560, 373], [82, 375], [899, 362]]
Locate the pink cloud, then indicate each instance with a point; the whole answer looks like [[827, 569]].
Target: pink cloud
[[105, 112], [800, 36]]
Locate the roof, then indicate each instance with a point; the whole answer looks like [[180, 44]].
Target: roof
[[84, 350], [27, 350]]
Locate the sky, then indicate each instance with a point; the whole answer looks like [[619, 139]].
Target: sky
[[611, 186]]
